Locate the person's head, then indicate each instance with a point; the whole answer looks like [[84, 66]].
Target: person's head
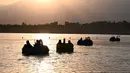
[[89, 38], [86, 38], [41, 42], [117, 36], [69, 41], [37, 41], [59, 41], [27, 42], [81, 38]]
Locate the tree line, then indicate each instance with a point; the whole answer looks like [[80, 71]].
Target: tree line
[[97, 27]]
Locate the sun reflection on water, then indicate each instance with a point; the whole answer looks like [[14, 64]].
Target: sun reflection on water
[[45, 38], [40, 65]]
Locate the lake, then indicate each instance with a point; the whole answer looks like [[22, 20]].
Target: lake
[[102, 57]]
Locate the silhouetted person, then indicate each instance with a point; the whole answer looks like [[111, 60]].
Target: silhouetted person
[[88, 41], [81, 39], [37, 43], [69, 42], [64, 41], [113, 38], [26, 48], [88, 38], [41, 42], [28, 44], [117, 38], [70, 46], [59, 42], [39, 48], [59, 46]]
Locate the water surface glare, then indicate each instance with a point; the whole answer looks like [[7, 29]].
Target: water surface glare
[[102, 57]]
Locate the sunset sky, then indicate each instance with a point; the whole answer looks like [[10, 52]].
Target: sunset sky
[[7, 1], [43, 11]]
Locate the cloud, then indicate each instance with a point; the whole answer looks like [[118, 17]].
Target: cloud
[[65, 10]]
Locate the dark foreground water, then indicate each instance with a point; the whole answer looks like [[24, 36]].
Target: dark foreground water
[[102, 57]]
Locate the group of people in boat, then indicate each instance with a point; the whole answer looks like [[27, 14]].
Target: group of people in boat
[[86, 42], [38, 48], [113, 39], [64, 47]]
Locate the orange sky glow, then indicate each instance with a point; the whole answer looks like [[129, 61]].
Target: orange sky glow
[[44, 11]]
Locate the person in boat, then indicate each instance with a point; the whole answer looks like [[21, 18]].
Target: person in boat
[[37, 43], [36, 48], [69, 42], [39, 48], [113, 38], [43, 47], [64, 41], [27, 47], [41, 42], [88, 41], [59, 45], [88, 38], [64, 44], [70, 46], [81, 39], [117, 38], [59, 42], [28, 44]]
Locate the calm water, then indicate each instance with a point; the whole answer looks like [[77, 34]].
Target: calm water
[[103, 56]]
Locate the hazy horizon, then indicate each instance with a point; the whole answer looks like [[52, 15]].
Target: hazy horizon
[[44, 11]]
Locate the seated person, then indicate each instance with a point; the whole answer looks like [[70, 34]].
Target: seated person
[[41, 42], [27, 47], [69, 42], [64, 41], [81, 39], [88, 38], [28, 44], [59, 42], [70, 46], [37, 43]]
